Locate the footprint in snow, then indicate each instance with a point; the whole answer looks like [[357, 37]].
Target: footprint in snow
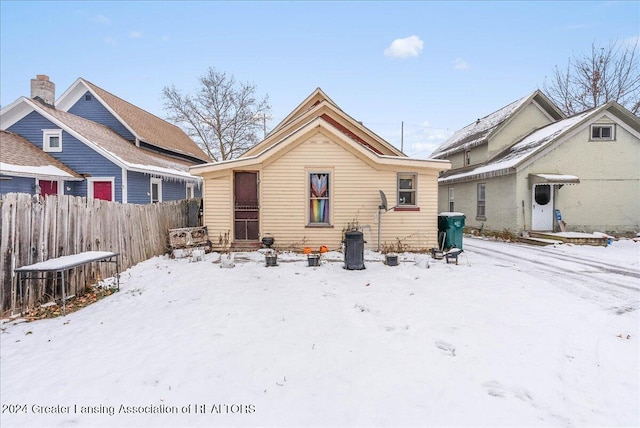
[[446, 347], [496, 389]]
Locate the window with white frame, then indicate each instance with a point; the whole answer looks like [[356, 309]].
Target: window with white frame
[[319, 198], [407, 186], [190, 192], [52, 140], [451, 199], [467, 157], [481, 204], [603, 132], [156, 190]]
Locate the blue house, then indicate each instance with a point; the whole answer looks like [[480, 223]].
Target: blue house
[[116, 151], [25, 168]]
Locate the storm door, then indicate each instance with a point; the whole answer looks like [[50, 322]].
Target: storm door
[[246, 207], [542, 207]]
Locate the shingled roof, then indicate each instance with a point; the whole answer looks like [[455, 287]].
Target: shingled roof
[[20, 158], [110, 144], [144, 125], [478, 132]]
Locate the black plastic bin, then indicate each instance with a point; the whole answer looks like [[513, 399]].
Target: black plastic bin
[[354, 250]]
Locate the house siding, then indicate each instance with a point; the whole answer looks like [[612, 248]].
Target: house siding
[[355, 199], [218, 206], [75, 154], [139, 188], [530, 118], [10, 184], [607, 197], [95, 111], [501, 213]]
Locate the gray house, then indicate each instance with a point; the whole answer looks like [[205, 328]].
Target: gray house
[[525, 165]]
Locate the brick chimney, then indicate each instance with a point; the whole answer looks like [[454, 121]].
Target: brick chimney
[[43, 89]]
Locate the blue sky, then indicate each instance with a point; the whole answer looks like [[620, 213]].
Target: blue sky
[[436, 66]]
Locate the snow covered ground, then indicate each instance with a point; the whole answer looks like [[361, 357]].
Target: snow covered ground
[[511, 336]]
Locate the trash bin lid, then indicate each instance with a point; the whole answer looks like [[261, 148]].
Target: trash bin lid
[[353, 234], [451, 214]]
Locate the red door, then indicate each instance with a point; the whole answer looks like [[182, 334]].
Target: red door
[[102, 190], [48, 187]]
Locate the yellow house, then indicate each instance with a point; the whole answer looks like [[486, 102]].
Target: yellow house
[[316, 175]]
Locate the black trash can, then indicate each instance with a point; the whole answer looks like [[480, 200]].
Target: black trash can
[[354, 250]]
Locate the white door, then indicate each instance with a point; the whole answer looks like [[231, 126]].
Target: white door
[[542, 207]]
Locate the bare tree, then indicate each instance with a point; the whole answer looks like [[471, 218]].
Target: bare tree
[[610, 73], [224, 116]]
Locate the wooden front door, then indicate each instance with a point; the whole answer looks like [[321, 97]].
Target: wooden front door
[[246, 206]]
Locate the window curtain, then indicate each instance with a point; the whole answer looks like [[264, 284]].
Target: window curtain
[[319, 201]]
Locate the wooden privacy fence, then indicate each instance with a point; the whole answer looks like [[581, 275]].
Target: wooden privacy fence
[[35, 229]]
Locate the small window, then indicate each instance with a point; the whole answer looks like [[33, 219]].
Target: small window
[[156, 190], [87, 97], [190, 192], [451, 209], [52, 140], [467, 157], [319, 198], [407, 185], [480, 211], [602, 132]]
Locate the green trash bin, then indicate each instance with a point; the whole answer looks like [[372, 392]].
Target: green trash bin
[[450, 225]]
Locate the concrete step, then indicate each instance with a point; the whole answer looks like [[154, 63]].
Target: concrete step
[[539, 241]]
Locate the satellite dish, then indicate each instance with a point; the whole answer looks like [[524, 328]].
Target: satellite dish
[[383, 205]]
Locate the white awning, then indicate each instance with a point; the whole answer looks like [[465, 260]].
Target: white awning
[[553, 179]]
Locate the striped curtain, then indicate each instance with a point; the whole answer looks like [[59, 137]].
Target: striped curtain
[[319, 198]]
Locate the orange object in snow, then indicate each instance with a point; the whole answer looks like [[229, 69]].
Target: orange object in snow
[[306, 250], [323, 249]]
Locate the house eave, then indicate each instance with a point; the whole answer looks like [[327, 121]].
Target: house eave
[[363, 153], [461, 178]]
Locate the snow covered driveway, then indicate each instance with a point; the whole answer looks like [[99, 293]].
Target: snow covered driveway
[[512, 336]]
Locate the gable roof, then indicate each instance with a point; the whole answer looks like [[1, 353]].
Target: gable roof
[[314, 125], [482, 129], [102, 139], [20, 158], [315, 98], [318, 104], [143, 125], [537, 142]]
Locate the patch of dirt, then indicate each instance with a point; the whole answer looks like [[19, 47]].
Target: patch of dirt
[[76, 303]]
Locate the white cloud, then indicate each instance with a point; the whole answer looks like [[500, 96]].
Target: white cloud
[[110, 41], [101, 19], [421, 140], [135, 34], [460, 64], [404, 48]]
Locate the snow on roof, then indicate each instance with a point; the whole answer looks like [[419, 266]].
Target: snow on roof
[[477, 132], [24, 170], [528, 146], [21, 158]]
